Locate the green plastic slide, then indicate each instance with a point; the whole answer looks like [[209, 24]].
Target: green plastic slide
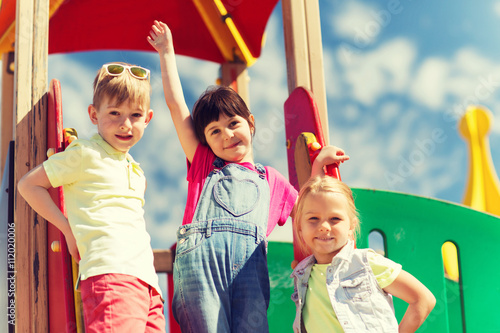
[[414, 229]]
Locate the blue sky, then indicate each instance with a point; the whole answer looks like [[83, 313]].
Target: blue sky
[[398, 74]]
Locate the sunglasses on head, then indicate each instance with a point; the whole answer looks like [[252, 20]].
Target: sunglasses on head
[[118, 69]]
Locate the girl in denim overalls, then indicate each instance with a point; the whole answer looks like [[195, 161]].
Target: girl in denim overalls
[[220, 270], [342, 289]]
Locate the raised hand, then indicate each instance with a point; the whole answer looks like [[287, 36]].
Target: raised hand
[[160, 37]]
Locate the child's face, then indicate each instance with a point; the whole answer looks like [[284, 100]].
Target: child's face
[[122, 126], [325, 225], [230, 138]]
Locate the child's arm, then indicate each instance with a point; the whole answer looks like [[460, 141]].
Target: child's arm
[[33, 187], [328, 155], [420, 300], [161, 39]]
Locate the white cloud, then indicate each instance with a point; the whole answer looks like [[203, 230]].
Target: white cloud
[[384, 70], [197, 75], [333, 86], [356, 21], [400, 138], [389, 111], [448, 84], [440, 175], [466, 78], [474, 77], [365, 147], [422, 163], [429, 86], [350, 112], [471, 62], [496, 8], [394, 140]]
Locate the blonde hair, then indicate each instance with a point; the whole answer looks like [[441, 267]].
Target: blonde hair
[[317, 185], [120, 88]]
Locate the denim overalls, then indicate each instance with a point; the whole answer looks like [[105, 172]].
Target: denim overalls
[[358, 301], [220, 270]]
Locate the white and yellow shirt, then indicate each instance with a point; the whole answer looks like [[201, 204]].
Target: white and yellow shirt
[[104, 196]]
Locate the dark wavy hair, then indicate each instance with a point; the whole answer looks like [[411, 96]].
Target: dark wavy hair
[[217, 100]]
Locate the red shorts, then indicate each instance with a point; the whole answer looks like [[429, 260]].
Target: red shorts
[[121, 303]]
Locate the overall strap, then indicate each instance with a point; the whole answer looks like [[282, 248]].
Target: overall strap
[[219, 163], [261, 170]]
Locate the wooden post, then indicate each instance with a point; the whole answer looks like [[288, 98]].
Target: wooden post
[[304, 52], [316, 62], [30, 85], [235, 75], [297, 55], [7, 106]]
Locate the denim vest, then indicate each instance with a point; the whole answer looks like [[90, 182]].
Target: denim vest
[[221, 281], [358, 301]]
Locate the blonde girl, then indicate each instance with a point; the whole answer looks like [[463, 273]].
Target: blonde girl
[[339, 288]]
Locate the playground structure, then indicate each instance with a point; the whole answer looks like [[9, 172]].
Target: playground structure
[[403, 220]]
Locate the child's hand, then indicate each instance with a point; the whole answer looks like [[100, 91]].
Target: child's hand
[[72, 248], [328, 155], [160, 37]]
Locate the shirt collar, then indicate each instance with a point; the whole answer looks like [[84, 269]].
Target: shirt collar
[[303, 266], [97, 138]]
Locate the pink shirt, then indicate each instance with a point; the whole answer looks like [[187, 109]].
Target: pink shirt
[[283, 194]]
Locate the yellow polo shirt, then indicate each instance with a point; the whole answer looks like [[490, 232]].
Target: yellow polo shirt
[[104, 196]]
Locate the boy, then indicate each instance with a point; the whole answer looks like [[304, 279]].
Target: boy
[[104, 193]]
